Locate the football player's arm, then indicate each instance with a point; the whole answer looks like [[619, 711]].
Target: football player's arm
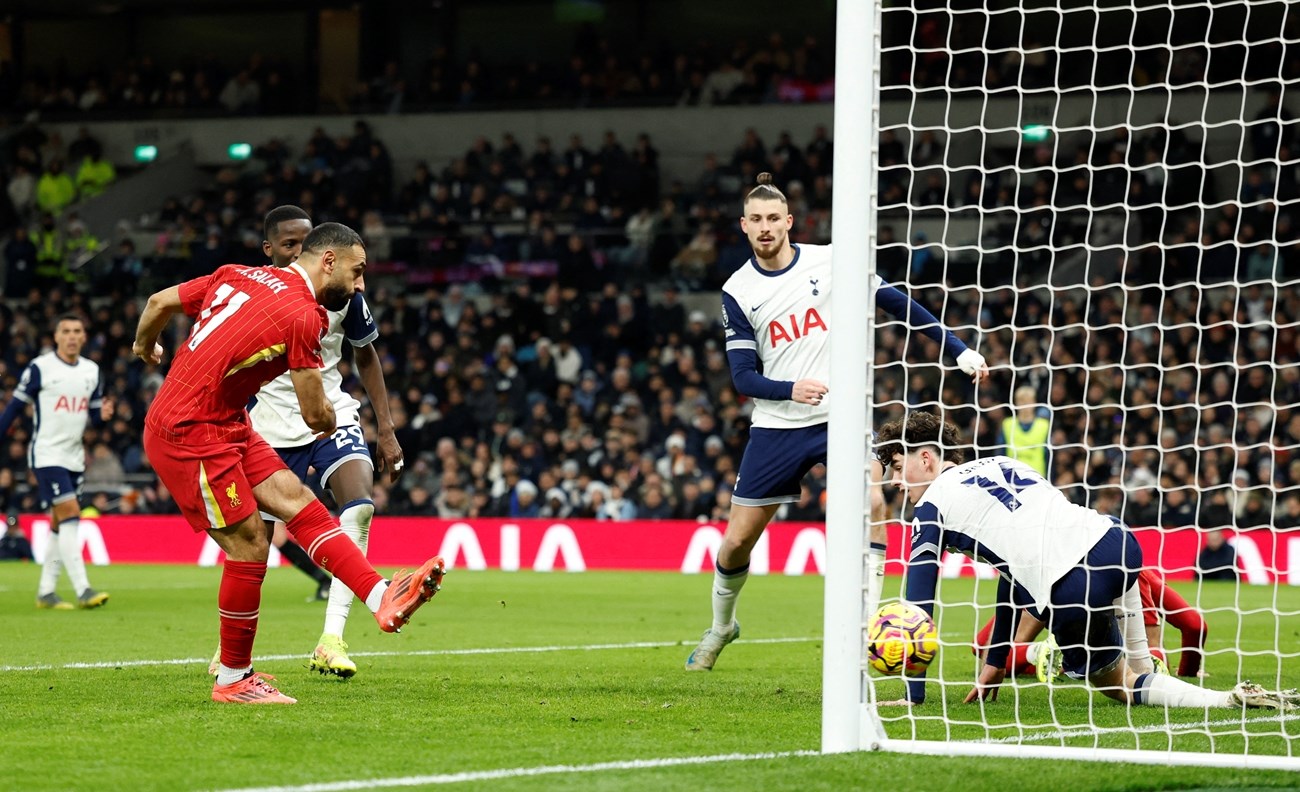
[[304, 358], [923, 576], [995, 661], [372, 377], [28, 387], [11, 412], [317, 412], [158, 311], [361, 331], [917, 317], [101, 406]]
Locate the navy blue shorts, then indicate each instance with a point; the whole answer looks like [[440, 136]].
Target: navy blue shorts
[[775, 463], [325, 455], [1082, 613], [57, 484]]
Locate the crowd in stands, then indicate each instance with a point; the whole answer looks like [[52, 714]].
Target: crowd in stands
[[961, 53], [590, 389]]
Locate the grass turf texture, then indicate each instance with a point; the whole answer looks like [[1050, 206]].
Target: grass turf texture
[[150, 725]]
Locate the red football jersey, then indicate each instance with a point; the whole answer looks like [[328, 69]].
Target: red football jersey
[[251, 325]]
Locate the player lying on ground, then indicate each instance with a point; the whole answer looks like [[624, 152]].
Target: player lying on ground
[[1071, 566], [252, 324], [1160, 604]]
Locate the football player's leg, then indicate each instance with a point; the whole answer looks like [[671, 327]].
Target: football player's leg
[[239, 599], [877, 534], [293, 551], [1189, 623], [351, 484], [1129, 611], [51, 491], [282, 494]]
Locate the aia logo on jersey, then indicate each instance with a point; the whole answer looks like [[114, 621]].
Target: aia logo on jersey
[[791, 329], [72, 405]]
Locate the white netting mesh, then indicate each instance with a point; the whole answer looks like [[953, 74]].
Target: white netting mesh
[[1105, 199]]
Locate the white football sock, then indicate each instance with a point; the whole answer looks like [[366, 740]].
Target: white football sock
[[70, 550], [726, 588], [1128, 609], [355, 522], [376, 596], [1159, 690], [1031, 653], [227, 675], [51, 567], [875, 575]]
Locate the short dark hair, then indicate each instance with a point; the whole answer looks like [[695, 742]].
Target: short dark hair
[[330, 235], [281, 214], [919, 428], [71, 316], [765, 190]]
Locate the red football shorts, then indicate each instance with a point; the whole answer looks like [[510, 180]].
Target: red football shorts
[[212, 482], [1151, 584]]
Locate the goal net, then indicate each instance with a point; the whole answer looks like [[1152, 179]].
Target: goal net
[[1103, 199]]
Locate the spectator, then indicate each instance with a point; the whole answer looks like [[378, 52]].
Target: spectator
[[14, 545], [95, 174], [1217, 559], [56, 189], [1025, 434], [242, 95]]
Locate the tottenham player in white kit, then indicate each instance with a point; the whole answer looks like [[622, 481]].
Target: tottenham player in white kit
[[776, 315], [64, 391], [1070, 566], [341, 462]]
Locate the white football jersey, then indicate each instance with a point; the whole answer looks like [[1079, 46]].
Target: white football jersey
[[1001, 511], [785, 317], [276, 414], [62, 396]]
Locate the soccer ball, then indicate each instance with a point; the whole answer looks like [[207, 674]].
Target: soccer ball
[[901, 638]]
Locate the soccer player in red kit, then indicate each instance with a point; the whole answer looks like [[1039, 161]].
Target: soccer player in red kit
[[252, 324]]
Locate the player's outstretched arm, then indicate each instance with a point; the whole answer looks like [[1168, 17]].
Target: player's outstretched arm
[[157, 313], [317, 412], [919, 318], [372, 377]]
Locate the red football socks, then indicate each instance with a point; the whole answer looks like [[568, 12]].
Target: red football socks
[[238, 602], [332, 549]]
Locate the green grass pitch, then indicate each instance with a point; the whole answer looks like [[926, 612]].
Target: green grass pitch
[[506, 673]]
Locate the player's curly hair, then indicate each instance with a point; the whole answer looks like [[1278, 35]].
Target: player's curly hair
[[902, 435], [281, 214], [765, 191], [327, 236]]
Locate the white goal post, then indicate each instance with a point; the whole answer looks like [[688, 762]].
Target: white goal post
[[1103, 198]]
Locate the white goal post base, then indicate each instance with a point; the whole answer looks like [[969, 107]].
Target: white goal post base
[[1074, 753]]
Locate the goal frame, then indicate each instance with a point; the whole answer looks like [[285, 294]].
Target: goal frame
[[850, 721]]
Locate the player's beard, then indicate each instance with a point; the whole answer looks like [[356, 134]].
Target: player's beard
[[769, 251], [335, 297]]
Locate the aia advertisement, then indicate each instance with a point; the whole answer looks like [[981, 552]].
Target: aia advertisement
[[1263, 556]]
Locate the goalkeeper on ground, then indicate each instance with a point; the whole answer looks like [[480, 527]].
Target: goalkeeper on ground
[[1069, 565]]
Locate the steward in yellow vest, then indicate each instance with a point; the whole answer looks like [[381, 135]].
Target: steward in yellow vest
[[1026, 433]]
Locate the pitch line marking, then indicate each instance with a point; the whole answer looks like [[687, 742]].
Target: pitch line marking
[[416, 653], [523, 772]]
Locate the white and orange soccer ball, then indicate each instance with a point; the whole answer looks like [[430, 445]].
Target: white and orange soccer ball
[[901, 639]]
